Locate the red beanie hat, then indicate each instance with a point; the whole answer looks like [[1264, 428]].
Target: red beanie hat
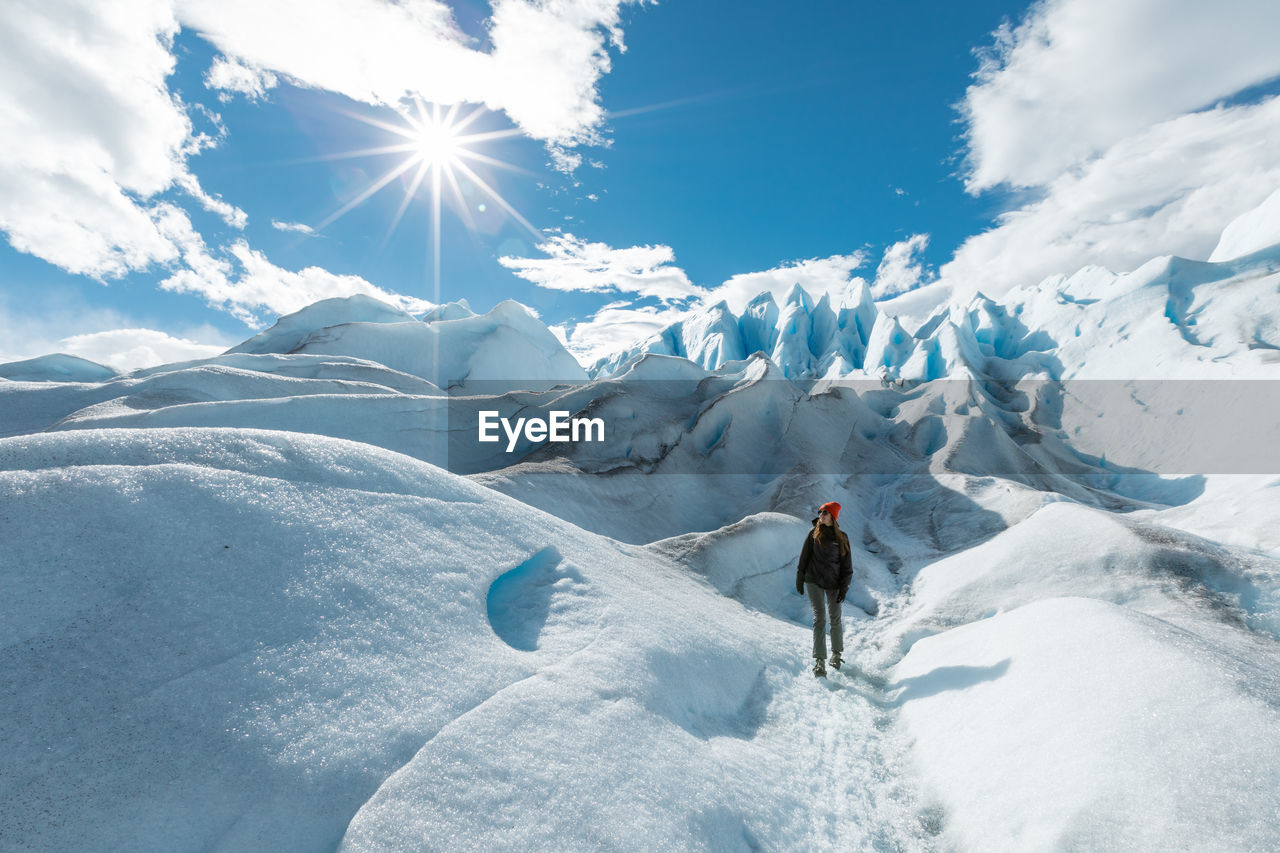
[[833, 508]]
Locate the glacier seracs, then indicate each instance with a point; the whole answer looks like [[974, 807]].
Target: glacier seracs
[[1170, 318]]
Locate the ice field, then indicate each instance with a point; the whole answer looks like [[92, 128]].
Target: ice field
[[279, 599]]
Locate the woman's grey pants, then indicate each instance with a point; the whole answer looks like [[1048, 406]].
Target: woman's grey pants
[[821, 609]]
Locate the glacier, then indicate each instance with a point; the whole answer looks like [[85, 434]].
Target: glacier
[[1094, 324], [280, 598]]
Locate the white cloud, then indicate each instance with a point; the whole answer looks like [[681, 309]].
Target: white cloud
[[564, 161], [229, 75], [547, 59], [84, 223], [642, 272], [900, 268], [370, 50], [614, 327], [818, 276], [283, 291], [1101, 111], [248, 285], [130, 349], [25, 334], [543, 68], [59, 320], [1168, 190], [576, 265], [299, 227], [1078, 76], [90, 128], [232, 215]]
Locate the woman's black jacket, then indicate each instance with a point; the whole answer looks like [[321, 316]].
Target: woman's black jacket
[[825, 563]]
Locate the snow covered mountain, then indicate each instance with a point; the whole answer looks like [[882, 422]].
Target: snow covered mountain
[[285, 597], [1171, 318], [57, 367], [451, 346]]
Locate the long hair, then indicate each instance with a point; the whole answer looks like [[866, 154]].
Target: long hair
[[835, 529]]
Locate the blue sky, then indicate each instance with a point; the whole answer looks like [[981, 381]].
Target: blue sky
[[177, 167]]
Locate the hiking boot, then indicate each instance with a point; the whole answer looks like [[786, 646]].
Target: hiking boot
[[836, 661], [819, 668]]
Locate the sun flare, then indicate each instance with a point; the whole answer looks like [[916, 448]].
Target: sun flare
[[435, 142], [435, 148]]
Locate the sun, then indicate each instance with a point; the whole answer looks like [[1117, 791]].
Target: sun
[[436, 144], [436, 147]]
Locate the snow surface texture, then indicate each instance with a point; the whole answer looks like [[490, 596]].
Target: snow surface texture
[[249, 608], [256, 640]]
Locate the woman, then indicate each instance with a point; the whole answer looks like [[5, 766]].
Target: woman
[[825, 572]]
